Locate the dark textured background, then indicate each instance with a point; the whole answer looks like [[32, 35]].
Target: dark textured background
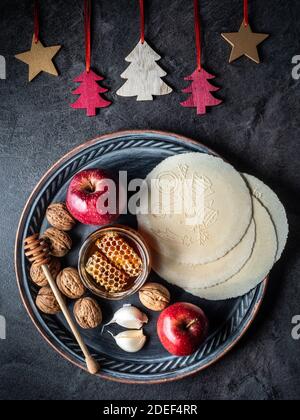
[[257, 128]]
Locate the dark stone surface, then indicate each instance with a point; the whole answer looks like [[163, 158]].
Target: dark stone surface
[[257, 129]]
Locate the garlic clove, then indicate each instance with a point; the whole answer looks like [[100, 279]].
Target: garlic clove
[[130, 341], [129, 317]]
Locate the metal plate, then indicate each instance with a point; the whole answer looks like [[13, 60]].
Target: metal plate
[[137, 152]]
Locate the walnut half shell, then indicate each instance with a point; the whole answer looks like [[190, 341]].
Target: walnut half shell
[[59, 217], [59, 242], [154, 296], [37, 274], [70, 284], [46, 302], [87, 313]]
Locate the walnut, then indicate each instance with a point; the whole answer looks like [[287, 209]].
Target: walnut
[[154, 296], [87, 313], [37, 274], [46, 301], [59, 242], [70, 284], [59, 217]]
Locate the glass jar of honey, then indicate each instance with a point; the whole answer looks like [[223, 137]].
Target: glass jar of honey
[[114, 262]]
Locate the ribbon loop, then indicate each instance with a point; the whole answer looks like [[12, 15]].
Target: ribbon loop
[[36, 22], [198, 34], [142, 16], [246, 13], [87, 29]]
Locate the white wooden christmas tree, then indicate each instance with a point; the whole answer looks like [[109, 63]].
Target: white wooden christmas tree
[[144, 76]]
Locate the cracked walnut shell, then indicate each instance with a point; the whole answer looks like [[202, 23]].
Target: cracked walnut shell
[[46, 302], [37, 274], [154, 296], [87, 313], [59, 242], [59, 217], [69, 283]]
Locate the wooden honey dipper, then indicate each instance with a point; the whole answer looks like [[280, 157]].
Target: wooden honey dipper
[[37, 252]]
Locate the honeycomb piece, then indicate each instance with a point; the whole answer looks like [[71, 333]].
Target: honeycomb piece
[[120, 253], [106, 274]]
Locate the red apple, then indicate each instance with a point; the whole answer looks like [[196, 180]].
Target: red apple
[[181, 328], [84, 197]]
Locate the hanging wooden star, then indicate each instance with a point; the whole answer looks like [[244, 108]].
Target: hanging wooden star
[[244, 42], [39, 59]]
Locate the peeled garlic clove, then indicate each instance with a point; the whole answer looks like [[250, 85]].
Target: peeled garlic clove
[[130, 341], [129, 317]]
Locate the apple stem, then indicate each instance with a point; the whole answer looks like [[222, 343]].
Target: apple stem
[[89, 187], [191, 323]]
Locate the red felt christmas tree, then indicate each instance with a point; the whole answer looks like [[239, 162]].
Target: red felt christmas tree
[[89, 91], [200, 90]]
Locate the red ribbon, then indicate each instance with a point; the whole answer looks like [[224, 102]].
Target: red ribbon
[[246, 13], [198, 34], [142, 13], [87, 29], [36, 21]]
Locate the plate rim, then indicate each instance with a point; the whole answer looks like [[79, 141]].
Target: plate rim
[[113, 136]]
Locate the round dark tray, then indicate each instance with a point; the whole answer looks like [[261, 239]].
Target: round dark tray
[[138, 153]]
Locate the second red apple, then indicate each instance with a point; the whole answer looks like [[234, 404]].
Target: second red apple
[[182, 328]]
